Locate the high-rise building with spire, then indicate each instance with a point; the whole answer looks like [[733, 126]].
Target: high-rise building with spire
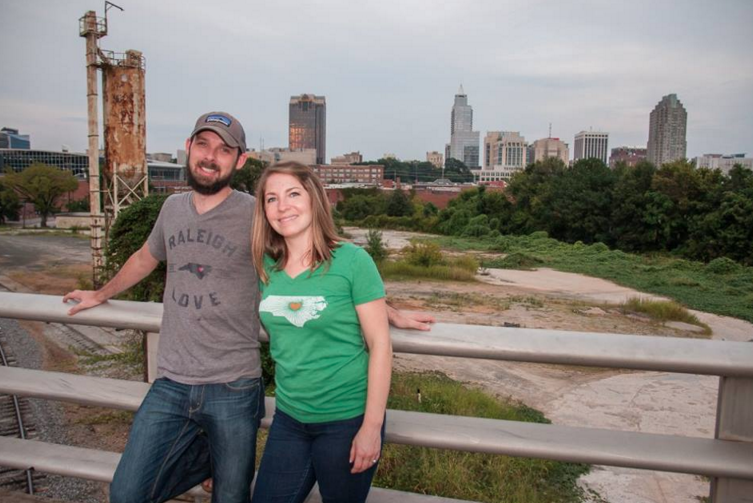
[[464, 141], [666, 131]]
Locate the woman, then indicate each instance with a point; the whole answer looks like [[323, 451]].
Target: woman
[[319, 295]]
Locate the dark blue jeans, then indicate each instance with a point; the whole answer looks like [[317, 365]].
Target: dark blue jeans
[[183, 434], [299, 454]]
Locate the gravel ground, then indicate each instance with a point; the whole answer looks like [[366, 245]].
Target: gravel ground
[[49, 419]]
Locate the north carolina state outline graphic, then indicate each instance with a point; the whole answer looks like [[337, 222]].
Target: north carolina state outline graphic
[[297, 309]]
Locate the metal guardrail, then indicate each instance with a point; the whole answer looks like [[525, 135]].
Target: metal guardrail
[[728, 458]]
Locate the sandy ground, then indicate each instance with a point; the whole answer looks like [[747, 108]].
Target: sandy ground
[[636, 401], [649, 402]]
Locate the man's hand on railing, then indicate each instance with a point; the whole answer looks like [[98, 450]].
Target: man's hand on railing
[[86, 299], [410, 321]]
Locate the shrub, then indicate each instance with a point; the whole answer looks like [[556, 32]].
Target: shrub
[[424, 254], [517, 261], [723, 265], [375, 246], [465, 262], [598, 248]]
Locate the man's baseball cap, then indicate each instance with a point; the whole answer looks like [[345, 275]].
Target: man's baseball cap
[[225, 125]]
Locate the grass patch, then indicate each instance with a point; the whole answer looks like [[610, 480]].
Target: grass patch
[[51, 231], [515, 260], [663, 311], [401, 270], [527, 300], [470, 476], [132, 355], [457, 302], [108, 417], [721, 287]]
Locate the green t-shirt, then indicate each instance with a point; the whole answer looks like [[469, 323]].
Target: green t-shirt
[[315, 337]]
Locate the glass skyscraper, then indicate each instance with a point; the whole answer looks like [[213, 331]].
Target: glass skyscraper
[[464, 142], [307, 125]]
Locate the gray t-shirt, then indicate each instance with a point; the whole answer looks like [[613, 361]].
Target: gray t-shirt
[[210, 325]]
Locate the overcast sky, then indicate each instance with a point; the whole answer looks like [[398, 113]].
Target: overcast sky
[[389, 69]]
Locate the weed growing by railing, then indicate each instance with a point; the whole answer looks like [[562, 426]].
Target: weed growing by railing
[[463, 475]]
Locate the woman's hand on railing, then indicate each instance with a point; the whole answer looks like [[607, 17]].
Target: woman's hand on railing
[[410, 321]]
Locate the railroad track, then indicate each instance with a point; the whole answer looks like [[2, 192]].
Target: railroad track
[[16, 421]]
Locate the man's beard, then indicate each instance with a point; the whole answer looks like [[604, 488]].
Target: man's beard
[[202, 188]]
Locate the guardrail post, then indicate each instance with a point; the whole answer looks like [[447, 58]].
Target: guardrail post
[[151, 343], [734, 421]]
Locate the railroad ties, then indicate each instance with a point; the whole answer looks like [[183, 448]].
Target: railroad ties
[[17, 421]]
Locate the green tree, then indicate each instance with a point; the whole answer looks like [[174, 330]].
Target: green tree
[[398, 204], [630, 201], [80, 205], [129, 233], [41, 185], [457, 171], [245, 179], [361, 203], [577, 204], [528, 190], [676, 197], [723, 226], [9, 203]]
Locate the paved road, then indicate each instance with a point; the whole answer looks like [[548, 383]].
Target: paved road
[[31, 249]]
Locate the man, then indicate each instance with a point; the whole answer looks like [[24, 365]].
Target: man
[[201, 415]]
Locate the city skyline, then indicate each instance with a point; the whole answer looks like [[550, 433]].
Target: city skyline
[[388, 69]]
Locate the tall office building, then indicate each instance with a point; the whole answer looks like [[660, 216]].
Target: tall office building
[[549, 147], [666, 131], [464, 141], [591, 145], [10, 138], [436, 158], [307, 125], [506, 154]]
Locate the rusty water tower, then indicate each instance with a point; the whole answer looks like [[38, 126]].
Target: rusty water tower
[[124, 112]]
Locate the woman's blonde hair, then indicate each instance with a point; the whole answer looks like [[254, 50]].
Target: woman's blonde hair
[[266, 241]]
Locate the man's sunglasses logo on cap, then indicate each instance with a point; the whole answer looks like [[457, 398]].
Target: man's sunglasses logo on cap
[[219, 118]]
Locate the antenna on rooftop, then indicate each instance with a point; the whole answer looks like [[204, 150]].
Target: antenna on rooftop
[[550, 130]]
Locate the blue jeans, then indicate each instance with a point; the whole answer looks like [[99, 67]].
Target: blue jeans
[[299, 454], [183, 434]]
